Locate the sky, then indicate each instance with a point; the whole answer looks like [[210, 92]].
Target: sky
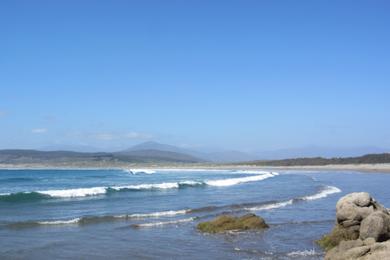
[[244, 75]]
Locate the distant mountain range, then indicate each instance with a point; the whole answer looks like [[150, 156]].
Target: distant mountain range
[[69, 157], [154, 152]]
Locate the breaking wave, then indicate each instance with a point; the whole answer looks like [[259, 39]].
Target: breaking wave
[[139, 171], [94, 191], [323, 193], [163, 223], [234, 181], [328, 190]]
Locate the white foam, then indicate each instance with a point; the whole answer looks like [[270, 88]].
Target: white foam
[[271, 206], [138, 171], [154, 224], [165, 185], [310, 252], [234, 181], [253, 172], [72, 193], [60, 222], [159, 214], [191, 183], [322, 194]]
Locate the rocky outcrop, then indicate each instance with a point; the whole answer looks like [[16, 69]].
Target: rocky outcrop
[[362, 230], [229, 223]]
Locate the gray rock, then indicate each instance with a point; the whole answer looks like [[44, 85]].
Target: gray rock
[[362, 231], [376, 225], [353, 207], [369, 241]]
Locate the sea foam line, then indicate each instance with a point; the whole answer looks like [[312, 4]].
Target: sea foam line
[[328, 190], [163, 223]]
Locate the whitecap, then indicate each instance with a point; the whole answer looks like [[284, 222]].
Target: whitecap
[[328, 190], [159, 214], [234, 181], [71, 193], [162, 223], [138, 171], [164, 185], [60, 222], [272, 206]]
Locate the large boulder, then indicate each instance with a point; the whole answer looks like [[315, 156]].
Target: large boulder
[[360, 250], [362, 227], [376, 225], [229, 223]]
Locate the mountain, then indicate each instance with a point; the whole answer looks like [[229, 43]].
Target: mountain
[[151, 145], [71, 158], [216, 156]]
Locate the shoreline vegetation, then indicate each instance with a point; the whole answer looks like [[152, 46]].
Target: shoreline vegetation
[[156, 159]]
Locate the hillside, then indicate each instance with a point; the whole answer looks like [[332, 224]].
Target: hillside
[[47, 157], [318, 161]]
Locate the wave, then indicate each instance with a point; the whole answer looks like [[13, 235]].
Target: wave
[[234, 181], [163, 223], [269, 206], [325, 192], [72, 193], [157, 186], [22, 196], [60, 222], [253, 172], [138, 171], [94, 191]]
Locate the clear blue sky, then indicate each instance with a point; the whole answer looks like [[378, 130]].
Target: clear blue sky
[[232, 74]]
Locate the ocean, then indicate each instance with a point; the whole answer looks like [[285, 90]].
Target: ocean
[[152, 214]]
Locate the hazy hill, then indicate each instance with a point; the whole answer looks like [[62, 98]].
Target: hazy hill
[[317, 161], [216, 156], [34, 156]]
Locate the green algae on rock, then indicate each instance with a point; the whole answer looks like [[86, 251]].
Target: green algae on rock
[[230, 223]]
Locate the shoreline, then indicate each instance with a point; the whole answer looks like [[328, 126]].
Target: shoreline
[[369, 168]]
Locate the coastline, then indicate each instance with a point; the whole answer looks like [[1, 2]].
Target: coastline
[[374, 168]]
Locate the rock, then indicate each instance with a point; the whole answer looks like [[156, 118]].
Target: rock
[[377, 226], [352, 208], [229, 223], [338, 234], [369, 241], [362, 230], [366, 252]]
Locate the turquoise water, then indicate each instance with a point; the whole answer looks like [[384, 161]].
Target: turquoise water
[[146, 214]]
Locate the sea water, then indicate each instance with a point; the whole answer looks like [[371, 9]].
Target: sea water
[[153, 213]]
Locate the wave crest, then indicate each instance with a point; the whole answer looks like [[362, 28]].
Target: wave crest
[[234, 181]]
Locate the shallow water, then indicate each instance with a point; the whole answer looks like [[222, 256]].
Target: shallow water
[[117, 214]]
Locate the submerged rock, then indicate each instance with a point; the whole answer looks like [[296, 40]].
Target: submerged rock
[[230, 223], [362, 230]]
